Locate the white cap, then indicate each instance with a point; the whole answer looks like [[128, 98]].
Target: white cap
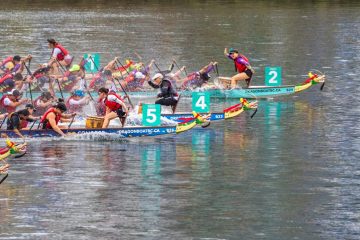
[[139, 75], [158, 75]]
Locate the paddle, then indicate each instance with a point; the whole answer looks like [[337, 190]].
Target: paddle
[[122, 88], [322, 86], [3, 179], [32, 125], [72, 120], [179, 67], [252, 115], [61, 66], [3, 121], [58, 83], [29, 72]]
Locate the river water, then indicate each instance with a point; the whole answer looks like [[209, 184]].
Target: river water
[[291, 172]]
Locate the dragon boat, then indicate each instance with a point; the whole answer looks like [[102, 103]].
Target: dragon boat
[[250, 92], [227, 113], [11, 150], [124, 132]]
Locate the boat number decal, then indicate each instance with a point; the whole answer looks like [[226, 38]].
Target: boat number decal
[[92, 62], [273, 76], [151, 115], [201, 102]]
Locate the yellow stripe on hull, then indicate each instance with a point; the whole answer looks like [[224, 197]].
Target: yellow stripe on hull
[[303, 87], [232, 114], [5, 155], [182, 128]]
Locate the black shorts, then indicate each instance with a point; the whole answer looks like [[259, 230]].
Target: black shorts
[[249, 73], [120, 113]]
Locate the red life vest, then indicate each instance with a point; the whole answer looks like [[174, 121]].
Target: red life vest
[[6, 60], [239, 66], [43, 119], [23, 124], [113, 105], [63, 53], [72, 108], [7, 109], [5, 77]]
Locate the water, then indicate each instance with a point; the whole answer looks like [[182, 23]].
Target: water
[[291, 172]]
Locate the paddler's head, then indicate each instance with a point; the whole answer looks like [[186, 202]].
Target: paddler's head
[[157, 78], [78, 94], [14, 95], [103, 92], [233, 53], [30, 108], [60, 107], [51, 42], [23, 114], [16, 59], [46, 96], [108, 74]]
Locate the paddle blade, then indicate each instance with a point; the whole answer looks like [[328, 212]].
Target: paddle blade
[[322, 86], [252, 115], [4, 178], [205, 124]]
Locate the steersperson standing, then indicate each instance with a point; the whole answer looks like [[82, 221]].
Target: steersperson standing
[[242, 66], [168, 95]]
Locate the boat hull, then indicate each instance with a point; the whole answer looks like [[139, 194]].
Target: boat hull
[[120, 132]]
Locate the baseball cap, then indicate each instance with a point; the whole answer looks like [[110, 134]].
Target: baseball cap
[[233, 50], [157, 75], [74, 68]]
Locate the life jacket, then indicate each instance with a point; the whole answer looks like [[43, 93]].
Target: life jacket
[[7, 109], [5, 77], [45, 123], [71, 107], [239, 67], [5, 61], [97, 81], [10, 123], [63, 53], [171, 92], [113, 105]]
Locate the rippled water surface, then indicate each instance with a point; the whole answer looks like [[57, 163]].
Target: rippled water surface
[[291, 172]]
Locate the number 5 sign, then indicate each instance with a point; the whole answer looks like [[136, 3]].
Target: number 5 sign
[[151, 114], [92, 62], [273, 76], [201, 102]]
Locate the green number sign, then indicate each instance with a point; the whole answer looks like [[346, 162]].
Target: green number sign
[[92, 62], [201, 102], [151, 114], [273, 76]]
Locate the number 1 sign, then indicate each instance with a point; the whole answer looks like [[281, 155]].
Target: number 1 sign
[[273, 76]]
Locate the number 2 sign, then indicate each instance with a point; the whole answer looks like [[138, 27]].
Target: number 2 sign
[[273, 76]]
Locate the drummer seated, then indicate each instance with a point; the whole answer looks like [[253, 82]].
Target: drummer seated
[[55, 114]]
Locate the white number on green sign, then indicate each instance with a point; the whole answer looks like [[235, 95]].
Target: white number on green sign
[[201, 102], [273, 76], [151, 115]]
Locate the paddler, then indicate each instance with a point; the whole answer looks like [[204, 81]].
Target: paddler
[[43, 103], [168, 95], [115, 106], [15, 120], [10, 101], [72, 77], [101, 79], [13, 64], [59, 55], [55, 114], [199, 78], [242, 66], [77, 101]]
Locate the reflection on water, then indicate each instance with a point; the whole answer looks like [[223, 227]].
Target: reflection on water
[[291, 172]]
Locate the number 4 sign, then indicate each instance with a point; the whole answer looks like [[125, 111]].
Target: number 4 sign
[[273, 76], [151, 114], [201, 102]]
